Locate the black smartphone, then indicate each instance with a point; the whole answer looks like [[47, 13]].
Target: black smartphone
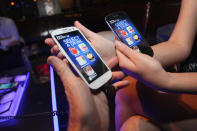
[[124, 29]]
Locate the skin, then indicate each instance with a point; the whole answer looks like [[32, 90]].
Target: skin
[[83, 105], [89, 115], [176, 49], [140, 66], [150, 72], [138, 121], [106, 48]]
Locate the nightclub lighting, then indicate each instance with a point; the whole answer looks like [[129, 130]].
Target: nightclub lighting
[[53, 97], [12, 3]]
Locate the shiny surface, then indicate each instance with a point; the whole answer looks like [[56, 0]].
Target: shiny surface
[[53, 98], [36, 99]]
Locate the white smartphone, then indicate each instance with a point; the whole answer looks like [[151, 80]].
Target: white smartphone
[[82, 56]]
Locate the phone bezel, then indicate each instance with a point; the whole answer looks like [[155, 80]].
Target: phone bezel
[[143, 45], [119, 15], [100, 80]]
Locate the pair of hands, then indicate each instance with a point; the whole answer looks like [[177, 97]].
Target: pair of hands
[[87, 111], [85, 108]]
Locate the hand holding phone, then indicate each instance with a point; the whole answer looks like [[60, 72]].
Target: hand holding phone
[[124, 29], [82, 56]]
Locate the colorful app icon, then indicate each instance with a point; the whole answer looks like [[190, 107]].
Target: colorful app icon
[[90, 56], [136, 48], [83, 47], [123, 32], [129, 41], [73, 50], [88, 70], [130, 29], [81, 60], [135, 37]]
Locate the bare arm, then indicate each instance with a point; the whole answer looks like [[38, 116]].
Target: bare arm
[[183, 82], [175, 50], [178, 47]]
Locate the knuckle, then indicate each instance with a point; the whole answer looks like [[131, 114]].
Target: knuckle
[[127, 50], [51, 50]]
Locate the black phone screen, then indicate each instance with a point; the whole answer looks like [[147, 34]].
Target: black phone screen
[[124, 29]]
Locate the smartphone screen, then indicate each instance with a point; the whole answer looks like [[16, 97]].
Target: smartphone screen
[[82, 55], [4, 86], [124, 29]]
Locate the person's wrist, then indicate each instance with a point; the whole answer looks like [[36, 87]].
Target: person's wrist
[[83, 119], [83, 122]]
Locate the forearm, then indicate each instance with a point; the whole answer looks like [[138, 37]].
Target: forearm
[[82, 117], [183, 82], [169, 53], [79, 122], [178, 47]]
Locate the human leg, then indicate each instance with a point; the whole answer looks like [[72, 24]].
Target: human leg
[[138, 123], [127, 103], [169, 110]]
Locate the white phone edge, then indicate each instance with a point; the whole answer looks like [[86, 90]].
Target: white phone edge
[[96, 83]]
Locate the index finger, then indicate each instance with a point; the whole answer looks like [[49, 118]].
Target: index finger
[[112, 62], [50, 42], [127, 51]]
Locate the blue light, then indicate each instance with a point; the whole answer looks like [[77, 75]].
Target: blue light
[[17, 100], [22, 92], [53, 97], [22, 3]]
